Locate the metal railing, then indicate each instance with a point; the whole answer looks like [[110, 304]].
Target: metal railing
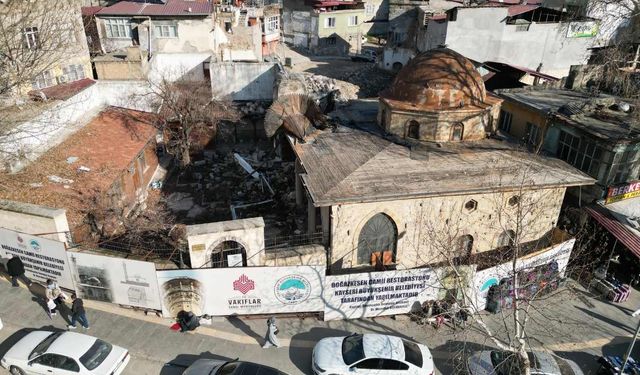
[[285, 242]]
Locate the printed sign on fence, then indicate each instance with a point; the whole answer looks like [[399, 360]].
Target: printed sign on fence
[[116, 280], [378, 293], [242, 290], [43, 258]]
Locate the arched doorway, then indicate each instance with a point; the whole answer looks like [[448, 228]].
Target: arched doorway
[[228, 254], [377, 241], [413, 129]]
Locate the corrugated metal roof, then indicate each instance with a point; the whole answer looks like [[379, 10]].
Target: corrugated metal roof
[[171, 8], [628, 238]]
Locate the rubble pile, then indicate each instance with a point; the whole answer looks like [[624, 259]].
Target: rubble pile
[[320, 86], [369, 79], [207, 191], [253, 108]]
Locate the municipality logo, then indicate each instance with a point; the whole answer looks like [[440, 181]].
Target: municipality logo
[[292, 289], [35, 245], [244, 284]]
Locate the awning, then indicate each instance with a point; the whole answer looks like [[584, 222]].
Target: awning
[[627, 237]]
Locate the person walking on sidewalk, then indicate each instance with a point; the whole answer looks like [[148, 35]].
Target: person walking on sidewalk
[[78, 314], [54, 297], [15, 269]]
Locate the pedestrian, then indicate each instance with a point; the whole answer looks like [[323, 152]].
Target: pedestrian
[[15, 269], [54, 297], [78, 314], [270, 339]]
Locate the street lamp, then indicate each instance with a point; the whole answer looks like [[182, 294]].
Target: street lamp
[[635, 337]]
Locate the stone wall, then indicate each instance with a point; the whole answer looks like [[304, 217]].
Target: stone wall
[[429, 228]]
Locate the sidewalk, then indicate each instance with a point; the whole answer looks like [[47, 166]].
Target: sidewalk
[[581, 328]]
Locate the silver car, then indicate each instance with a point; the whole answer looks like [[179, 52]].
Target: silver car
[[506, 363]]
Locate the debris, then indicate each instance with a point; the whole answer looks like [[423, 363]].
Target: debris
[[320, 86], [157, 184], [59, 180], [82, 168], [72, 159], [36, 184], [246, 166]]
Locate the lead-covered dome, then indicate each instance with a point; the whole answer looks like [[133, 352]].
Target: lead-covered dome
[[435, 80]]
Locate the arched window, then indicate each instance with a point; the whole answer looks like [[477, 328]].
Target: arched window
[[377, 240], [464, 245], [457, 132], [413, 130], [228, 254], [506, 238]]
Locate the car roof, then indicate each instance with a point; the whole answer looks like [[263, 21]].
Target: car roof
[[71, 344], [383, 346]]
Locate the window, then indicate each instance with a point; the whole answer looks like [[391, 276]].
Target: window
[[330, 41], [96, 354], [464, 245], [452, 15], [58, 361], [412, 353], [42, 80], [522, 27], [352, 349], [457, 132], [514, 200], [72, 73], [118, 28], [272, 24], [330, 22], [166, 31], [533, 134], [390, 364], [30, 38], [623, 170], [353, 21], [413, 131], [399, 37], [582, 154], [504, 123], [369, 10], [568, 147], [471, 205], [369, 364], [378, 235], [44, 345], [506, 238]]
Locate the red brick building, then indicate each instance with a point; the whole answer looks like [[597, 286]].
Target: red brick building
[[101, 171]]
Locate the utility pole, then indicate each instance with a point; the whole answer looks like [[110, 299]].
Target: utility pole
[[635, 337]]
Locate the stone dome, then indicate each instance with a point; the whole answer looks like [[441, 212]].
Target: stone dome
[[437, 79]]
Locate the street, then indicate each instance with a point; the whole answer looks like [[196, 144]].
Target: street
[[585, 328]]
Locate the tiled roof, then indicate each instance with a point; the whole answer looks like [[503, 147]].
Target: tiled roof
[[65, 90], [519, 9], [170, 8], [90, 11]]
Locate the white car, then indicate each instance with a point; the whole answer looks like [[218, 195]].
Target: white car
[[370, 354], [58, 353], [499, 362]]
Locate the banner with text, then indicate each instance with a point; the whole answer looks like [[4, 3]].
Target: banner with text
[[242, 290], [486, 278], [43, 258], [116, 280], [378, 293]]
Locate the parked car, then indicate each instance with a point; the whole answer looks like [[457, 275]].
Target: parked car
[[218, 367], [370, 354], [506, 363], [51, 353], [366, 55]]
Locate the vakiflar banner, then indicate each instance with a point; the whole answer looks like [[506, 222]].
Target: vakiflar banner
[[242, 290]]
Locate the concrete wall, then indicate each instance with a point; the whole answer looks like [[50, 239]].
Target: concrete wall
[[243, 80], [194, 35], [544, 43], [203, 239], [34, 219], [174, 66], [120, 70], [306, 255], [428, 228], [391, 57]]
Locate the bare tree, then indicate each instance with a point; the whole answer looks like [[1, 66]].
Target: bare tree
[[188, 112]]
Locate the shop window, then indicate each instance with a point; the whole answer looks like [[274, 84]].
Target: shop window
[[413, 131], [471, 205], [377, 240]]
